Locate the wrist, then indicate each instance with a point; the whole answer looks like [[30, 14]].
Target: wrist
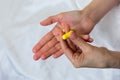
[[109, 59], [114, 60], [98, 8]]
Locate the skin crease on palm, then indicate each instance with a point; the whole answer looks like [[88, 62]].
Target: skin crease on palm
[[50, 45]]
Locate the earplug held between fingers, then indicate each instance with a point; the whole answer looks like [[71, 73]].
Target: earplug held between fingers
[[66, 35]]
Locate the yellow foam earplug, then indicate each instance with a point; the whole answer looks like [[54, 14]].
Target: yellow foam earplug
[[66, 35]]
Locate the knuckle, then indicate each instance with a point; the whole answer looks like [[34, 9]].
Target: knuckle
[[57, 47], [48, 45], [66, 49], [104, 48], [76, 65], [89, 49]]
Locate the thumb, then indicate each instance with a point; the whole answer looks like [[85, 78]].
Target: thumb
[[49, 20], [78, 41]]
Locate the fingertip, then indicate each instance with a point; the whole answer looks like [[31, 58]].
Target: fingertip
[[34, 50], [49, 20], [54, 56], [72, 35], [35, 57], [45, 22], [85, 37], [43, 57], [91, 40], [41, 23]]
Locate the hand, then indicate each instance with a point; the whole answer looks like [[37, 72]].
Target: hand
[[75, 20], [86, 55], [49, 44]]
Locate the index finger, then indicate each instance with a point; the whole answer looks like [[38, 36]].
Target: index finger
[[49, 20], [68, 52]]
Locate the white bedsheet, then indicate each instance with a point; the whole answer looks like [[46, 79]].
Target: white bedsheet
[[20, 31]]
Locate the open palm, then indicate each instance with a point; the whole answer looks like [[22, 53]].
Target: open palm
[[49, 44]]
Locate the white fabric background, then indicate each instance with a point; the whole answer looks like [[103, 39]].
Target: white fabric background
[[20, 31]]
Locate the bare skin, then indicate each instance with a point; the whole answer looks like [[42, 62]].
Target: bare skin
[[90, 56], [82, 22], [73, 19]]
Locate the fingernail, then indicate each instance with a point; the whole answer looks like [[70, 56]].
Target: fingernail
[[54, 56], [35, 57], [34, 50], [43, 57], [73, 36]]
